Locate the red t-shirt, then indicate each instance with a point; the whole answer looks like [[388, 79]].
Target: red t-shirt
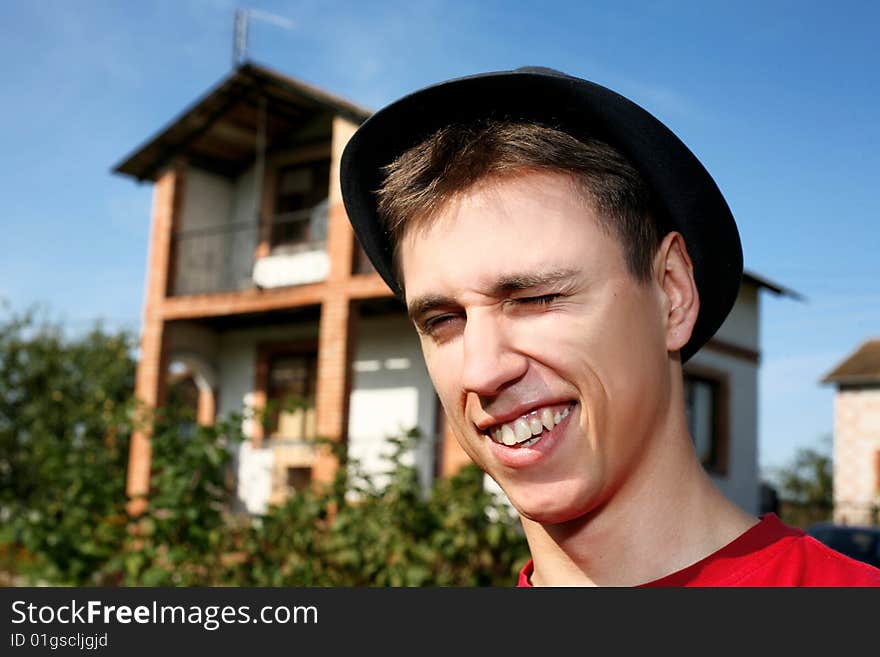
[[768, 554]]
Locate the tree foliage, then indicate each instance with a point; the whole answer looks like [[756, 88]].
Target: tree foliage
[[806, 487], [65, 408]]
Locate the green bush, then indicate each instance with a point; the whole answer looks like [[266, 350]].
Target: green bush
[[351, 532]]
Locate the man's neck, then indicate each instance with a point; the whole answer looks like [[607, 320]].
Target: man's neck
[[663, 519]]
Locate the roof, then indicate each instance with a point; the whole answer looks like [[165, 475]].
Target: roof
[[775, 288], [860, 367], [219, 131]]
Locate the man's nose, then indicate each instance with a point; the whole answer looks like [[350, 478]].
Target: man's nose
[[490, 362]]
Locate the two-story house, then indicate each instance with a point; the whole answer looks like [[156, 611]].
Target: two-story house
[[256, 291]]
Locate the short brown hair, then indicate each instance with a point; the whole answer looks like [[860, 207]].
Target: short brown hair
[[449, 162]]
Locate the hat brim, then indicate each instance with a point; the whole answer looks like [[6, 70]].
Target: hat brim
[[686, 193]]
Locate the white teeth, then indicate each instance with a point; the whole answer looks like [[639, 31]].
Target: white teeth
[[535, 425], [507, 435], [547, 419], [527, 430], [522, 429]]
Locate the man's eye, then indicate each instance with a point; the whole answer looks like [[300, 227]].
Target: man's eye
[[438, 324], [542, 300], [434, 322]]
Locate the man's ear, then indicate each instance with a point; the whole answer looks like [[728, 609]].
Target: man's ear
[[674, 273]]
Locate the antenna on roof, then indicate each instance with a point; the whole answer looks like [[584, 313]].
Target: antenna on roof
[[240, 31]]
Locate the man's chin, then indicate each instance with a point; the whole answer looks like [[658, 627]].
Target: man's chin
[[550, 511]]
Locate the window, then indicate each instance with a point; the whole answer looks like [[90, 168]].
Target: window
[[291, 396], [705, 397], [299, 478], [301, 192]]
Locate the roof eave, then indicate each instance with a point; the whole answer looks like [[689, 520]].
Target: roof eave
[[775, 288], [247, 72]]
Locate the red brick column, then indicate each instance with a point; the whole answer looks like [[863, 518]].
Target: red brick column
[[335, 341], [150, 378]]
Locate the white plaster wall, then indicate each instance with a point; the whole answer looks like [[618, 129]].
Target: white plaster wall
[[741, 483], [741, 326], [391, 392], [241, 242], [206, 205], [223, 259], [292, 268], [195, 346], [206, 200], [244, 208]]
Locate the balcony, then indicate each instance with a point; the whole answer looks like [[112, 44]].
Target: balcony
[[222, 258]]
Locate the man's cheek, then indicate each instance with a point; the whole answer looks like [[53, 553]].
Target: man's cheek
[[467, 446]]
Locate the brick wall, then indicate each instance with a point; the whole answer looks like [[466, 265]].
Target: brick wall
[[150, 377], [334, 343], [856, 450]]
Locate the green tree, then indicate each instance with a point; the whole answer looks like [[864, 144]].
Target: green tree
[[65, 409], [806, 486]]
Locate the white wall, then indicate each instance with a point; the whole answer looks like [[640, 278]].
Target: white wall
[[391, 392], [741, 326], [220, 259], [241, 243], [206, 205], [207, 200], [741, 483]]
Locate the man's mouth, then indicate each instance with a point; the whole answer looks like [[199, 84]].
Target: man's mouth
[[528, 429]]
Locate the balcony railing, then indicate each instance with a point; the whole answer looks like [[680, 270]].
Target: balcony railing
[[304, 230], [221, 258]]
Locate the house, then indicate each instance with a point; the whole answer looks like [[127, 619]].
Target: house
[[257, 291], [857, 435]]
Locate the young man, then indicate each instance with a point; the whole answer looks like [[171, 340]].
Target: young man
[[561, 254]]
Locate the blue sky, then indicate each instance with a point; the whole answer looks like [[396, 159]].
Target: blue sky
[[779, 100]]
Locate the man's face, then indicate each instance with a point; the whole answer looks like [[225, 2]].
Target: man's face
[[529, 319]]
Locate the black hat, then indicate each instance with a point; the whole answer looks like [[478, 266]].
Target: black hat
[[683, 189]]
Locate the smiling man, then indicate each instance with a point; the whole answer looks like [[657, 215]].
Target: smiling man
[[561, 254]]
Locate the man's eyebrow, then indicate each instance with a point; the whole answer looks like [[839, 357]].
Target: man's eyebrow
[[527, 280], [424, 304], [503, 286]]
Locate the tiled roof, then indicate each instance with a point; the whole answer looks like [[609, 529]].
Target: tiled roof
[[861, 367]]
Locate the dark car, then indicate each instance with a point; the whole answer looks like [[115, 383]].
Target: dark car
[[862, 543]]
